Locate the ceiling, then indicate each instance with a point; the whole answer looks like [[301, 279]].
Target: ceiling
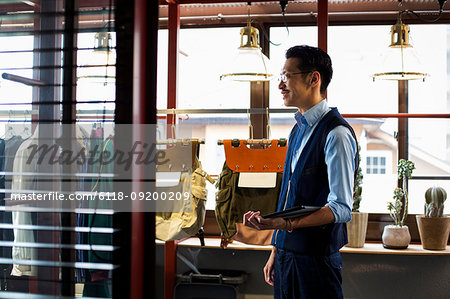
[[19, 15], [196, 13]]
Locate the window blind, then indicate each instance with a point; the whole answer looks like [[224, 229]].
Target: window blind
[[57, 60]]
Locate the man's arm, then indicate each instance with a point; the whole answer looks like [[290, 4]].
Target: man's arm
[[319, 217], [269, 267], [340, 150]]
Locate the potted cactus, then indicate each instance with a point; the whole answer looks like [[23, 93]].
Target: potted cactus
[[357, 227], [434, 227], [397, 236]]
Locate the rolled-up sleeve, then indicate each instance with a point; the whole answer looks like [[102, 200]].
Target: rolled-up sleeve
[[340, 151]]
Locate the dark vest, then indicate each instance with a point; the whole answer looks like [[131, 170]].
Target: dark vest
[[308, 186]]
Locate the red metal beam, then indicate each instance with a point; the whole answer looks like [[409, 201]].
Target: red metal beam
[[397, 115], [164, 2], [322, 26], [172, 78], [322, 23], [170, 247], [170, 268], [144, 112]]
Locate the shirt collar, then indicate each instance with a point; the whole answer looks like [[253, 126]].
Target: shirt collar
[[313, 115]]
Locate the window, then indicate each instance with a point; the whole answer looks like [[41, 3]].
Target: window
[[353, 91], [203, 57], [376, 165], [378, 162], [200, 87], [16, 58], [47, 253]]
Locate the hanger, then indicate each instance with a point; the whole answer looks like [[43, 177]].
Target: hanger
[[250, 126], [172, 125], [26, 130], [177, 153], [268, 158], [9, 130], [240, 158]]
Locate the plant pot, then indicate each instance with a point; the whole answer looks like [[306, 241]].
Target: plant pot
[[357, 229], [433, 232], [396, 237]]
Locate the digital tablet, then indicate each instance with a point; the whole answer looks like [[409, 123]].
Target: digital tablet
[[293, 212]]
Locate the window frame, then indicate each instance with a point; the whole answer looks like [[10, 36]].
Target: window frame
[[347, 18]]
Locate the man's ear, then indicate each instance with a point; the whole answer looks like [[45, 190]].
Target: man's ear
[[314, 78]]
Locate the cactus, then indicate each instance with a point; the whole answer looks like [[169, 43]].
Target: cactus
[[395, 208], [357, 189], [404, 170], [434, 202]]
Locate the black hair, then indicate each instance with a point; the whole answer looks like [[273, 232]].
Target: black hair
[[313, 59]]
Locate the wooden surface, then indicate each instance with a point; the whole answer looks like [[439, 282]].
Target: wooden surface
[[369, 248], [377, 248]]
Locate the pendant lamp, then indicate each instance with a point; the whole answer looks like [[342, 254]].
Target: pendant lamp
[[401, 61], [249, 64], [100, 67]]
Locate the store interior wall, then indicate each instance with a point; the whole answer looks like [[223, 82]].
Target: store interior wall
[[365, 276]]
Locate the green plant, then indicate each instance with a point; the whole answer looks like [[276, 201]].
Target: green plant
[[434, 202], [404, 170], [395, 208], [357, 188]]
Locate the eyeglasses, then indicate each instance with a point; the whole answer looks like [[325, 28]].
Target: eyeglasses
[[284, 77]]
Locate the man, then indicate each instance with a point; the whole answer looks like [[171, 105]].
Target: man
[[319, 171]]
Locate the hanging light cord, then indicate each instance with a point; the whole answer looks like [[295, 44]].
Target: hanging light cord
[[283, 5], [420, 17], [424, 19]]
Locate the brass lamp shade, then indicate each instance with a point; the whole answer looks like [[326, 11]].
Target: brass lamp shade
[[102, 41], [401, 61], [249, 64], [100, 67]]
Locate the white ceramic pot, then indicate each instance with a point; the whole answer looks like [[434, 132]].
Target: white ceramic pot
[[396, 237]]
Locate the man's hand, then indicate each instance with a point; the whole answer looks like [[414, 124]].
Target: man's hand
[[254, 220], [268, 268]]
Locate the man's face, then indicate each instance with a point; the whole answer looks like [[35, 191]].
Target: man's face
[[295, 91]]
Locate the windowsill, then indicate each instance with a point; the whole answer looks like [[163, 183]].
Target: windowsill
[[369, 248], [377, 248]]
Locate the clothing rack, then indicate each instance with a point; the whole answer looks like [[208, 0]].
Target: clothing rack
[[291, 111], [226, 111], [186, 141], [82, 114], [100, 113], [235, 142]]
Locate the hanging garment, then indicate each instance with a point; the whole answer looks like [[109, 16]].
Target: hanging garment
[[232, 202], [235, 198], [96, 280], [83, 184], [101, 185], [3, 249], [22, 182], [179, 225], [11, 146]]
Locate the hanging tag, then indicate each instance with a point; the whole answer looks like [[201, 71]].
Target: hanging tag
[[257, 179], [167, 179]]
